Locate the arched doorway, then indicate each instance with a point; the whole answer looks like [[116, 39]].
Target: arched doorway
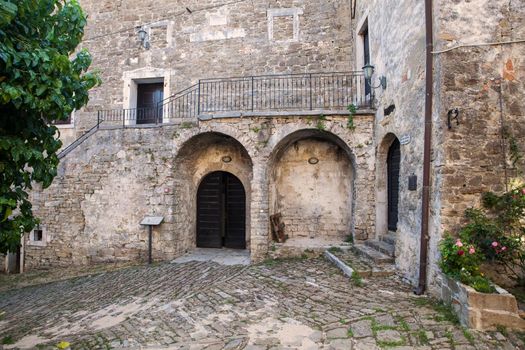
[[393, 163], [221, 211]]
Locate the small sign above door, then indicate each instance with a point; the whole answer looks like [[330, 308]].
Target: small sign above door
[[405, 139], [152, 220]]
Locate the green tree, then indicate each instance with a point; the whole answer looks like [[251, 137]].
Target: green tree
[[42, 80]]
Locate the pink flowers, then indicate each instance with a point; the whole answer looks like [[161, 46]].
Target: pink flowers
[[496, 246], [459, 244]]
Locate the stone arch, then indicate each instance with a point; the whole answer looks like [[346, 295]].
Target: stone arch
[[228, 129], [382, 184], [200, 155], [311, 184]]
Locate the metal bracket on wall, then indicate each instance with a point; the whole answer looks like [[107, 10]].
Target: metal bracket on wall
[[452, 114]]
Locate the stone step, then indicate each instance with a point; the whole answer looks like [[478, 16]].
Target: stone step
[[372, 254], [390, 238], [383, 247]]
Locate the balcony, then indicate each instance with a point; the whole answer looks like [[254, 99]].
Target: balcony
[[252, 95]]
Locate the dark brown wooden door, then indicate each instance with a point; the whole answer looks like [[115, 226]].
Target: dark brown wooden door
[[149, 97], [393, 165], [235, 205], [221, 212]]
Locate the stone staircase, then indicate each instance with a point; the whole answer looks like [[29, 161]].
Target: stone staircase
[[380, 251]]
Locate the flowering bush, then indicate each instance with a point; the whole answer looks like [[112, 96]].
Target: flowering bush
[[457, 256], [461, 259], [496, 234]]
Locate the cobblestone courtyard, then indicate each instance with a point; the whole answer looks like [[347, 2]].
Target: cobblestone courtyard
[[288, 304]]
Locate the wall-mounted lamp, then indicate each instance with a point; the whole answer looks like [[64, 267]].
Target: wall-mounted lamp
[[313, 160], [226, 159], [368, 71], [143, 37], [452, 114]]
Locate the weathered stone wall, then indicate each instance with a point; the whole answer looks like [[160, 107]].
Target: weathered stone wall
[[315, 199], [217, 39], [110, 182], [397, 50], [472, 157], [469, 158]]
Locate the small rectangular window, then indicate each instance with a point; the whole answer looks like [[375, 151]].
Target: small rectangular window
[[63, 122], [38, 235]]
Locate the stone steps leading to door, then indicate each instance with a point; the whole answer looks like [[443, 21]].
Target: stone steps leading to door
[[382, 246], [372, 254], [389, 238]]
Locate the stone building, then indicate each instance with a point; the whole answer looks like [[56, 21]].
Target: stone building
[[221, 115]]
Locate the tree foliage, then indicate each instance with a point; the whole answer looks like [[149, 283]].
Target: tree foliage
[[42, 80]]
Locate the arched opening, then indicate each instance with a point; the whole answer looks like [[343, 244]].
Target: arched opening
[[387, 185], [393, 165], [311, 187], [221, 211], [199, 162]]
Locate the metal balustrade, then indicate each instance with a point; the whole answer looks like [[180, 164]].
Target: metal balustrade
[[284, 92]]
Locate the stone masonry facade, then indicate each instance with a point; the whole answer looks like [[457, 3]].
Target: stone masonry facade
[[92, 210], [473, 156], [106, 185]]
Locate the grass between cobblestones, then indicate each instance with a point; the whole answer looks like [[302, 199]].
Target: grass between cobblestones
[[204, 305]]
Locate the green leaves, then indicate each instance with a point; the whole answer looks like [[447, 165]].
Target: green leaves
[[39, 83], [7, 12]]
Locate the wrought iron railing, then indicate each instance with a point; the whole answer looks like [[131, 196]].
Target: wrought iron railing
[[65, 151], [288, 92]]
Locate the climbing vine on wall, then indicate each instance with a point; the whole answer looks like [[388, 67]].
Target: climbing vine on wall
[[352, 109]]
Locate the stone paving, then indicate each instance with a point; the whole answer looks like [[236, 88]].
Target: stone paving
[[280, 304]]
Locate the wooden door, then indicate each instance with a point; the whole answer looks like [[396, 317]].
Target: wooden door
[[221, 212], [209, 212], [149, 97], [235, 205], [393, 165]]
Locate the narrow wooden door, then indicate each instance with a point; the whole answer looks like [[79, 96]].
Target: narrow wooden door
[[393, 165], [221, 212], [235, 205], [149, 97], [209, 211]]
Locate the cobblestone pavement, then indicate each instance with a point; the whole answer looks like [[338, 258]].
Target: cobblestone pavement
[[289, 304]]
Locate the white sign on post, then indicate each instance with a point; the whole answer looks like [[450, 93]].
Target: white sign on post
[[152, 220]]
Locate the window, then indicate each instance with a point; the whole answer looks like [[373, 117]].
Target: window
[[37, 237], [67, 123], [365, 44], [62, 122]]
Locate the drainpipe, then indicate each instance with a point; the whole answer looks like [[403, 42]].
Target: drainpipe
[[423, 258]]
